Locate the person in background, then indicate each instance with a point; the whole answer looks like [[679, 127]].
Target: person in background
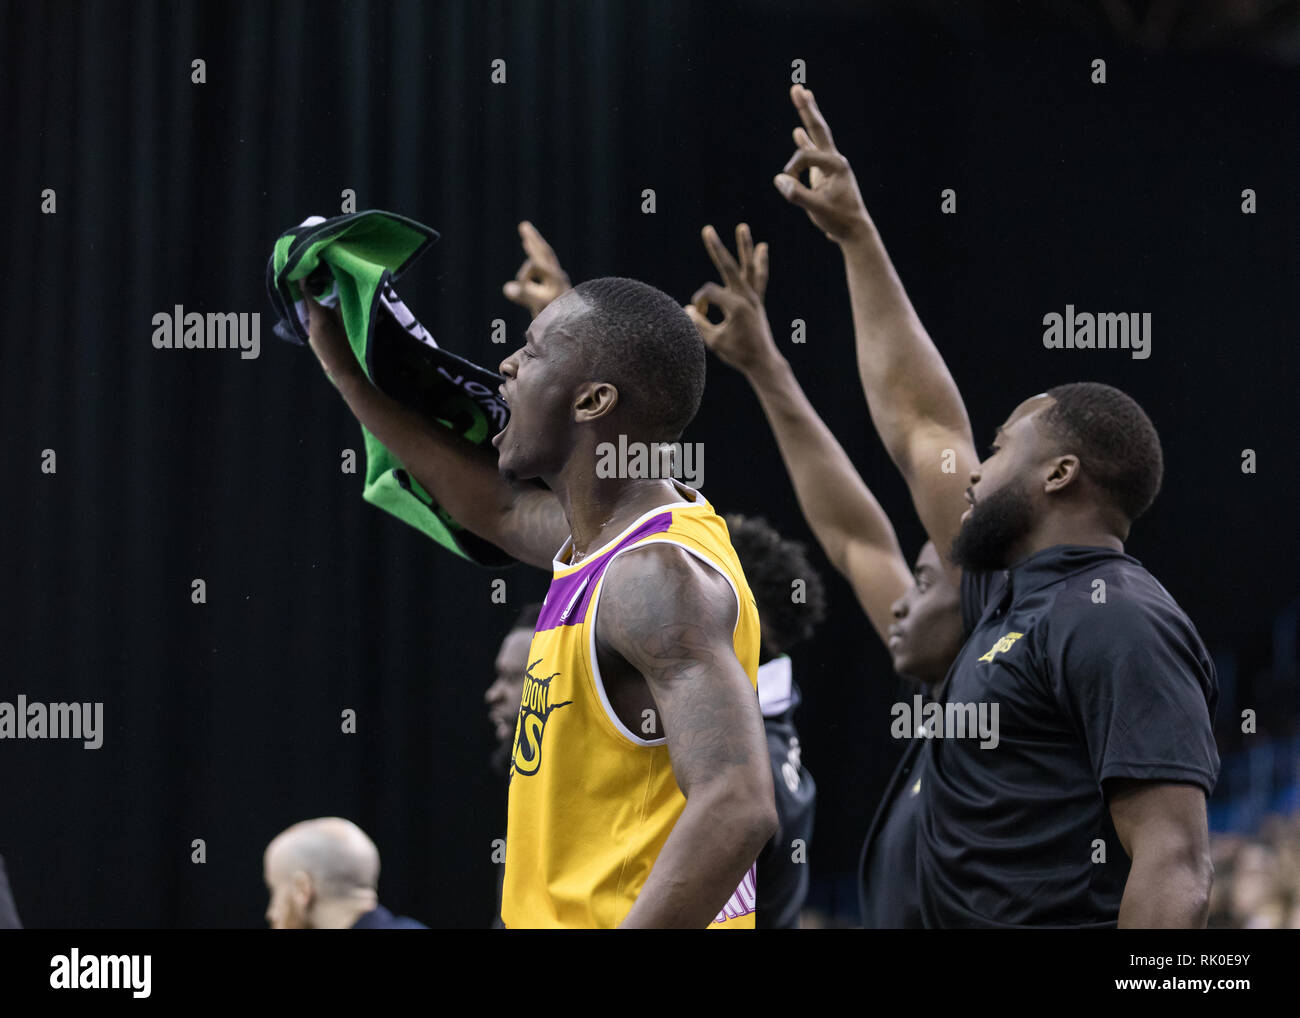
[[502, 698], [917, 616], [323, 875], [1069, 635], [788, 614]]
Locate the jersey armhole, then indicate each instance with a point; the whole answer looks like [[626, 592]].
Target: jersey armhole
[[599, 682]]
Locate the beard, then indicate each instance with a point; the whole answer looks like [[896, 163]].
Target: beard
[[997, 522]]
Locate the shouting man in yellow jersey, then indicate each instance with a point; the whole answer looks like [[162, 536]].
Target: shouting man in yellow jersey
[[640, 789]]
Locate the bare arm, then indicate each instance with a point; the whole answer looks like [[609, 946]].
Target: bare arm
[[1163, 829], [841, 511], [914, 402], [526, 522], [671, 618]]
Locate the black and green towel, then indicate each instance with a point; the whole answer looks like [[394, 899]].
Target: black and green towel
[[351, 262]]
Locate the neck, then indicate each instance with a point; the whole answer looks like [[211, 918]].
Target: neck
[[341, 914], [1066, 529], [598, 508]]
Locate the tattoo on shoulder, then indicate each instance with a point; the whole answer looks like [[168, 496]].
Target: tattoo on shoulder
[[671, 619]]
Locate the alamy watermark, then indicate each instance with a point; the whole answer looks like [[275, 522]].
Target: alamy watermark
[[182, 330], [1106, 330], [921, 720], [682, 460], [32, 720], [75, 971]]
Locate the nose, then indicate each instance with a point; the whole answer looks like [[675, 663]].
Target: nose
[[899, 608], [974, 478], [507, 367]]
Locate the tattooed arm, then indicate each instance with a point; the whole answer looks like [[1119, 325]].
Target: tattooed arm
[[670, 618], [524, 521]]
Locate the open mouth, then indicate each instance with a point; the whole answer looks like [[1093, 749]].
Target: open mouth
[[501, 391]]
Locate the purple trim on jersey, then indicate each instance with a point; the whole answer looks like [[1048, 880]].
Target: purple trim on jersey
[[570, 596]]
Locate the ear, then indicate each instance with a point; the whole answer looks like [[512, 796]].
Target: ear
[[302, 890], [593, 401], [1062, 472]]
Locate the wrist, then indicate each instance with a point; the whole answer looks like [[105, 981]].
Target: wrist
[[767, 367], [860, 232], [346, 377]]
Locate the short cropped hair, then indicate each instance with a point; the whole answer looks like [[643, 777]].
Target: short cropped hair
[[1114, 439], [639, 339], [772, 563]]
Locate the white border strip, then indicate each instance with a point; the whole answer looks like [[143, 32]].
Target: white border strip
[[622, 729]]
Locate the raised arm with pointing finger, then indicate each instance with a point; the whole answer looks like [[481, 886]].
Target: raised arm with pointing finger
[[914, 403], [1071, 470]]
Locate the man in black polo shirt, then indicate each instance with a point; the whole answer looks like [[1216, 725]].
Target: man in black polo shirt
[[1105, 692], [1081, 802]]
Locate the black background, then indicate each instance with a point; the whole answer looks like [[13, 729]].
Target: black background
[[223, 720]]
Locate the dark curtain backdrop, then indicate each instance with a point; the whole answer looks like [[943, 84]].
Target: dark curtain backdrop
[[223, 720]]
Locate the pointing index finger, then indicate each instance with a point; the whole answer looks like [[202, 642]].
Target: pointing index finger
[[535, 245], [811, 116], [722, 260], [744, 248]]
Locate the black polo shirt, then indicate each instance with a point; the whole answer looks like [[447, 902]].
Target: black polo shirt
[[888, 896], [1092, 681]]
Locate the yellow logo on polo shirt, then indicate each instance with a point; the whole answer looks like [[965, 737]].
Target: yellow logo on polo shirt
[[1002, 646]]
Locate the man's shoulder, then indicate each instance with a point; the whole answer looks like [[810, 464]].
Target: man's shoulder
[[1123, 594], [663, 576]]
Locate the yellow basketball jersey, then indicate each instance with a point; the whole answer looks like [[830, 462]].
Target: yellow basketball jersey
[[591, 802]]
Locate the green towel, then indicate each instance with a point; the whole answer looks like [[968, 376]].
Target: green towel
[[352, 260]]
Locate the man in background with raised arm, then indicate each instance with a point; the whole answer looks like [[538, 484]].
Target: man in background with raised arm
[[1089, 809]]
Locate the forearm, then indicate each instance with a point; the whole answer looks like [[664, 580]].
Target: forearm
[[461, 477], [906, 382], [1166, 894], [711, 847], [838, 506]]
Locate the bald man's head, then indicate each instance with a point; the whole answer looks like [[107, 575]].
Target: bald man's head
[[322, 874]]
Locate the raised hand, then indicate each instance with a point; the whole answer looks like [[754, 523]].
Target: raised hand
[[328, 340], [833, 201], [743, 338], [540, 279]]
